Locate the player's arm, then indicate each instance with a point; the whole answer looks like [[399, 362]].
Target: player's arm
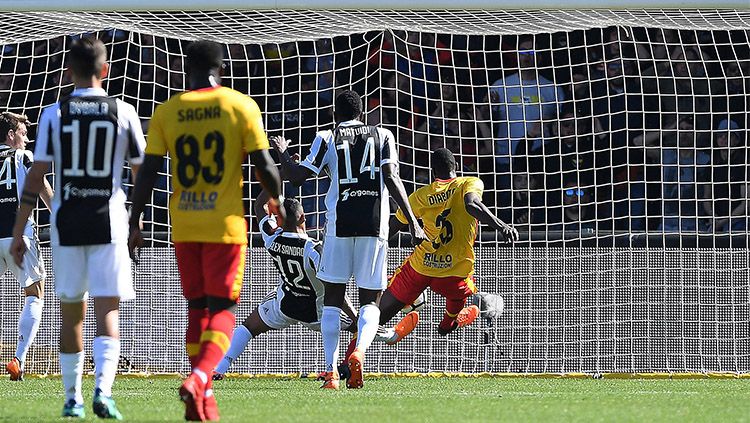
[[31, 188], [395, 226], [144, 185], [398, 192], [46, 194], [290, 169], [478, 210], [348, 309], [268, 175], [266, 222]]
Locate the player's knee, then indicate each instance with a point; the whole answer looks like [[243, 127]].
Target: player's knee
[[216, 304], [334, 294], [199, 303]]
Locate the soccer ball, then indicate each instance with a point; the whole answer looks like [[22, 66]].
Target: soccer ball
[[417, 304]]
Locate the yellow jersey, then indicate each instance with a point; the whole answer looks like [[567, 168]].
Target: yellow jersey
[[450, 229], [207, 134]]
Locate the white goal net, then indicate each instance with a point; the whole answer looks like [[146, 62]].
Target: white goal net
[[614, 140]]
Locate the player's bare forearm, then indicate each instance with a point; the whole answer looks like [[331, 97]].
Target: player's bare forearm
[[292, 171], [259, 206], [398, 192], [266, 171], [46, 194], [394, 227], [144, 184], [479, 211], [31, 188]]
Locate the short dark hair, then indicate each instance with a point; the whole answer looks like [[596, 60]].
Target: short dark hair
[[293, 209], [9, 122], [443, 162], [203, 56], [348, 106], [87, 56]]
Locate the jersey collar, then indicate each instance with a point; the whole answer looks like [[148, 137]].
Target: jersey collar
[[89, 92], [444, 180], [350, 123]]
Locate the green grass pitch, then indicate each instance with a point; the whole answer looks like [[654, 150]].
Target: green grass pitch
[[406, 400]]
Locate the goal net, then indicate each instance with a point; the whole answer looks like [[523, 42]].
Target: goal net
[[614, 140]]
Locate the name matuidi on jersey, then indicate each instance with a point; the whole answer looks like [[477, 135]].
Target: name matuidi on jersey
[[353, 132], [441, 196], [88, 108], [199, 113]]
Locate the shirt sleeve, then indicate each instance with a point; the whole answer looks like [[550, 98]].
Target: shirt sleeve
[[253, 134], [157, 142], [268, 222], [314, 251], [474, 185], [43, 150], [316, 160], [136, 140], [389, 154]]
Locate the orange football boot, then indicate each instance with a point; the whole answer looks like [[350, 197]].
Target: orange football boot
[[467, 315], [404, 327], [331, 380], [356, 362], [14, 369], [192, 394]]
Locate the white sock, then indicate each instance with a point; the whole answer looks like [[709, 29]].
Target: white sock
[[240, 339], [330, 327], [71, 367], [106, 355], [28, 325], [367, 325]]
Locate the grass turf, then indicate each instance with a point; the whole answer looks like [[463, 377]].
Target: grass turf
[[406, 399]]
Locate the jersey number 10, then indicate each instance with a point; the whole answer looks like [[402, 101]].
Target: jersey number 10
[[94, 131]]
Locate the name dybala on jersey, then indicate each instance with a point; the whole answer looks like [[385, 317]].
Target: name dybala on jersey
[[13, 170], [446, 222], [297, 258], [208, 134], [353, 155], [88, 136]]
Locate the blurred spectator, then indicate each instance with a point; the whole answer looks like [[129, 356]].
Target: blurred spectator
[[726, 197]]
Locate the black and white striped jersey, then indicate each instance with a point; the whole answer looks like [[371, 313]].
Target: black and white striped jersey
[[352, 155], [14, 166], [297, 258], [88, 136]]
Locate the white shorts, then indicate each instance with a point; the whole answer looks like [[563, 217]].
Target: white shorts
[[271, 314], [103, 270], [33, 265], [363, 257]]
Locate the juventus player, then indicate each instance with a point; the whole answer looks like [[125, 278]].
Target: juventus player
[[16, 162], [362, 162], [88, 135], [299, 295], [298, 299]]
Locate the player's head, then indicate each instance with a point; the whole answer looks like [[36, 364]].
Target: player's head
[[203, 59], [443, 164], [295, 214], [87, 59], [348, 106], [13, 129]]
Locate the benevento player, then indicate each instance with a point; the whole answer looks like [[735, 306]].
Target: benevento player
[[449, 208], [208, 131]]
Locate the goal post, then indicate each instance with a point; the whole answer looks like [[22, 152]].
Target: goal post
[[621, 163]]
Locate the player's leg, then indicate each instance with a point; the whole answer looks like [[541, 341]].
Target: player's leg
[[31, 278], [455, 291], [109, 265], [223, 267], [405, 287], [253, 326], [335, 270], [189, 265], [71, 282]]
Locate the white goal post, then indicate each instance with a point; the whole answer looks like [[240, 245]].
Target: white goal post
[[626, 178]]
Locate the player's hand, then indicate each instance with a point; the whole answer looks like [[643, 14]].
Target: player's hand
[[17, 250], [274, 208], [417, 235], [279, 143], [509, 233], [135, 242]]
